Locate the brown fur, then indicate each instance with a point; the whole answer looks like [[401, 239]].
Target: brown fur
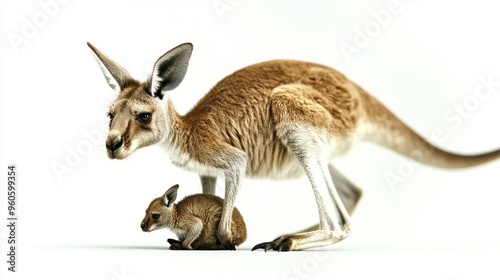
[[241, 111], [183, 217], [253, 100]]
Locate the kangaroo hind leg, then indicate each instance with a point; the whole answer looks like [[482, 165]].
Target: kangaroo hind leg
[[349, 193], [308, 140]]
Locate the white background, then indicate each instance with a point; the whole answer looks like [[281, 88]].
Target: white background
[[82, 221]]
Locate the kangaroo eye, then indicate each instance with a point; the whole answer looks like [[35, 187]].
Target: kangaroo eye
[[144, 117], [155, 216]]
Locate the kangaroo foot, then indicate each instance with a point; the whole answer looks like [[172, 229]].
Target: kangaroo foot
[[302, 241], [279, 244]]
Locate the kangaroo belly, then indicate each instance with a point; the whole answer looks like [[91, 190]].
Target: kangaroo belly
[[272, 161], [276, 161]]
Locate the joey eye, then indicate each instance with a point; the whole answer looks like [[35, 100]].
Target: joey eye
[[144, 117], [155, 216]]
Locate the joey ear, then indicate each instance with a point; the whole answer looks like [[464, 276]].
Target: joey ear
[[169, 70], [117, 77], [170, 195]]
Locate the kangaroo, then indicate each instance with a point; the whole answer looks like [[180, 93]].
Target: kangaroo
[[275, 119], [194, 220]]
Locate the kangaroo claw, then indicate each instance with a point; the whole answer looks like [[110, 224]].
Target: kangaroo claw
[[280, 244]]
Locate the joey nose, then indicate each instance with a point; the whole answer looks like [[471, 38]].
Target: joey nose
[[143, 225]]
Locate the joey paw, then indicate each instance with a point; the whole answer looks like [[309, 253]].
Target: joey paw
[[175, 244], [173, 241]]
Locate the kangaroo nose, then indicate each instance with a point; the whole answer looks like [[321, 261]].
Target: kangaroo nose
[[143, 225], [114, 144]]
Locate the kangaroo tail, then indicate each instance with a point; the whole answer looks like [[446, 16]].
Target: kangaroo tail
[[387, 130]]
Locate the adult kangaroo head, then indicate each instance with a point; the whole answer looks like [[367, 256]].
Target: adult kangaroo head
[[139, 116]]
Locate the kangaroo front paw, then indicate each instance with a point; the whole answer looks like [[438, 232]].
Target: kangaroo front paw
[[226, 240], [280, 244], [231, 247], [228, 246]]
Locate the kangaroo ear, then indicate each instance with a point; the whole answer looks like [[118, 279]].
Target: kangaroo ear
[[169, 70], [117, 77], [170, 195]]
